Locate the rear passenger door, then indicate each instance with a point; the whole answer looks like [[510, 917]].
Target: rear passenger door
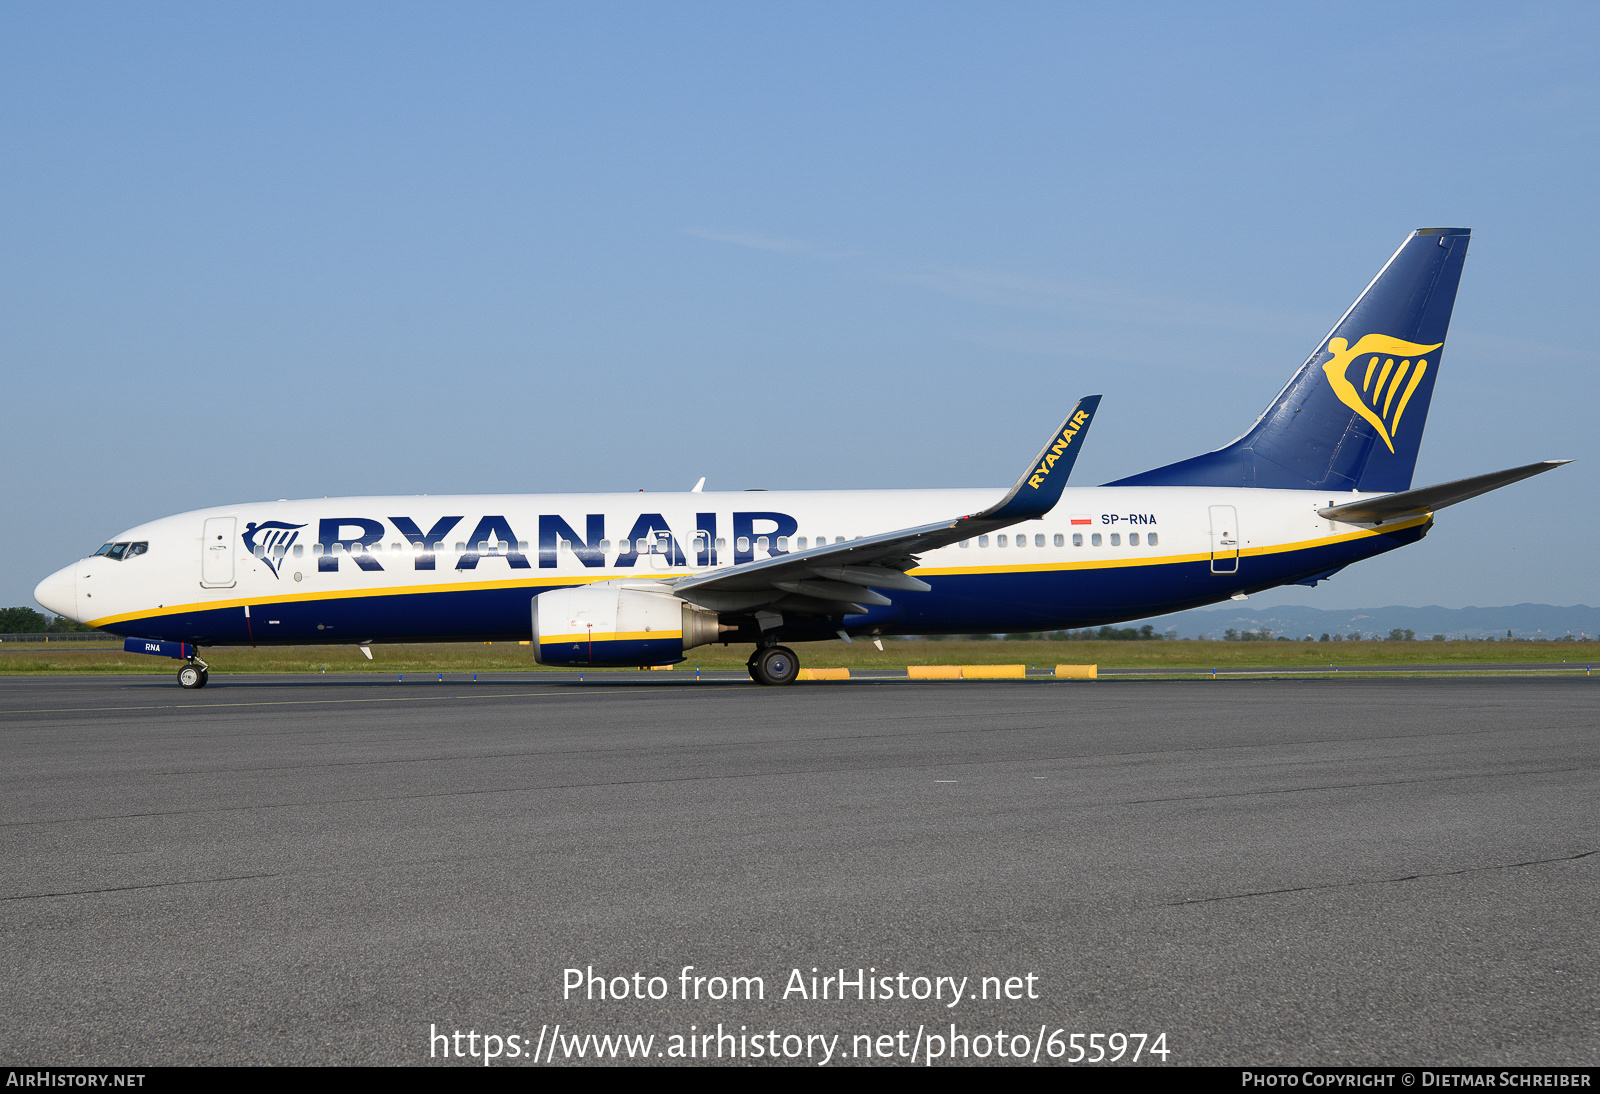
[[1224, 540]]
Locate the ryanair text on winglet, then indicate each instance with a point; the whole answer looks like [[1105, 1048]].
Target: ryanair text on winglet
[[1079, 420]]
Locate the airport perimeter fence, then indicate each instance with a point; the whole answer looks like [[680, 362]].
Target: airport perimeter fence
[[50, 638]]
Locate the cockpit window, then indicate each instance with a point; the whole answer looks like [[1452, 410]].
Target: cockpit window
[[119, 551]]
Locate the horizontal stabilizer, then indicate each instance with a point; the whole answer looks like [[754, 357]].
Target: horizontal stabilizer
[[1410, 503]]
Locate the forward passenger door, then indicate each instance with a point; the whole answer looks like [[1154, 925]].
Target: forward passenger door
[[216, 553]]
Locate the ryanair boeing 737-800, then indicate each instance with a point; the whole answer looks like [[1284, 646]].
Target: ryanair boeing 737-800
[[1321, 480]]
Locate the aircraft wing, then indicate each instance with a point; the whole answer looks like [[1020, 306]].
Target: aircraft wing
[[1410, 503], [839, 578]]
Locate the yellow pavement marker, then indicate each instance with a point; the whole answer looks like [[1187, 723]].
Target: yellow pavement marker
[[993, 672]]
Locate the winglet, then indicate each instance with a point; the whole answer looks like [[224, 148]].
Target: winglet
[[1037, 492]]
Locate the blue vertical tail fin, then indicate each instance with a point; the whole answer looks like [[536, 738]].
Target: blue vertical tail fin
[[1352, 417]]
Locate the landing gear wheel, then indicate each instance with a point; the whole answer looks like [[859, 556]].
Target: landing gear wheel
[[192, 677], [777, 665]]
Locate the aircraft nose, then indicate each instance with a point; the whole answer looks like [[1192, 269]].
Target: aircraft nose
[[59, 592]]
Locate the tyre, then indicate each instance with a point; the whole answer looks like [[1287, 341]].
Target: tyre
[[192, 676], [777, 665]]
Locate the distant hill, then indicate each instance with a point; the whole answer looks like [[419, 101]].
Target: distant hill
[[1291, 621]]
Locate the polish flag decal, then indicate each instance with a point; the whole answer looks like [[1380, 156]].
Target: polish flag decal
[[1082, 518]]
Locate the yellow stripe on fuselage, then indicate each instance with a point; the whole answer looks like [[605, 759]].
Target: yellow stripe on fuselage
[[350, 594]]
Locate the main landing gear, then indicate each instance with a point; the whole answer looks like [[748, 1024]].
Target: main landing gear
[[774, 665], [194, 675]]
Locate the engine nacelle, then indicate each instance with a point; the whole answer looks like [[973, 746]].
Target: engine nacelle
[[609, 625]]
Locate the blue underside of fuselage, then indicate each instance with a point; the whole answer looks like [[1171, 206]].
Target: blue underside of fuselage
[[975, 603]]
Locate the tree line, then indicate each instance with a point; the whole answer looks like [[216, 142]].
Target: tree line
[[28, 621]]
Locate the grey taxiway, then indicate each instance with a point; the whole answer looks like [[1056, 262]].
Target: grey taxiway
[[333, 869]]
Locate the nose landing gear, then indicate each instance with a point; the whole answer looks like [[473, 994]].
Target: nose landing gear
[[194, 675]]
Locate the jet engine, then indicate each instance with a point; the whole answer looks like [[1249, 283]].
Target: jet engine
[[612, 625]]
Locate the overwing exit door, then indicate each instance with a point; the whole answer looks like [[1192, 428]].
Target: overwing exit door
[[661, 551], [1224, 540]]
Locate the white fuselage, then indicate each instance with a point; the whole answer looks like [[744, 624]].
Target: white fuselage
[[398, 568]]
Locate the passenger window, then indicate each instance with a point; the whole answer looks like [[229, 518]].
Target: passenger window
[[1094, 540], [965, 542], [783, 543], [1061, 541], [1152, 539], [743, 544], [983, 541], [1116, 539], [722, 545], [801, 543], [461, 548], [1038, 540], [1000, 541], [642, 546], [1133, 539], [1077, 539], [300, 549], [522, 546], [761, 543], [563, 545]]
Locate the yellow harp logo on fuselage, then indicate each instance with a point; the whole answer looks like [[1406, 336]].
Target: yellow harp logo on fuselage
[[1394, 368]]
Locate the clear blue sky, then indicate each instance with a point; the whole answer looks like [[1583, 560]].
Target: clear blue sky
[[262, 251]]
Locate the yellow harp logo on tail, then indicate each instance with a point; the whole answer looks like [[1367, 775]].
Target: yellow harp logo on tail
[[1393, 370]]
